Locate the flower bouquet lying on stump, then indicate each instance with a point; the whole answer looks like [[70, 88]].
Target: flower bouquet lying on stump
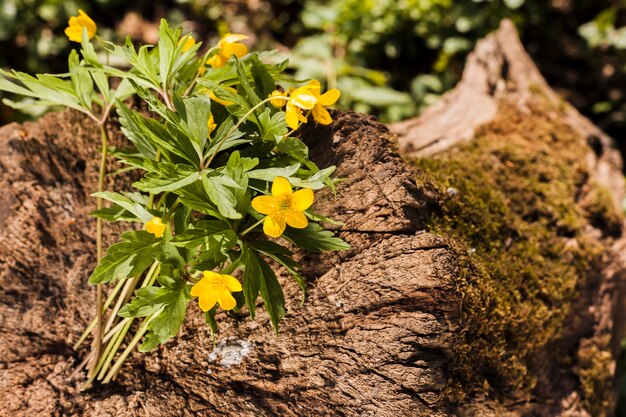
[[222, 177]]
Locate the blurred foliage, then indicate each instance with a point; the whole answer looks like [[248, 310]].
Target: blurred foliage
[[392, 58], [389, 57]]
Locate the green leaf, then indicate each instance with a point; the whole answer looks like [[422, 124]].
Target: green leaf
[[167, 46], [132, 127], [147, 301], [269, 174], [167, 322], [315, 181], [263, 82], [168, 177], [283, 256], [201, 233], [115, 213], [315, 239], [128, 258], [196, 117], [81, 80], [273, 127], [209, 317], [295, 148], [240, 106], [251, 278], [126, 203], [217, 189], [253, 98], [272, 294]]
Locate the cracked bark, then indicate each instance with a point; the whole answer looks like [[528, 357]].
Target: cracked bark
[[375, 336]]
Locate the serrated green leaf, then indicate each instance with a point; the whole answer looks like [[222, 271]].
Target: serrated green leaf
[[128, 258], [147, 301], [126, 203], [201, 233], [168, 177], [217, 189], [169, 318]]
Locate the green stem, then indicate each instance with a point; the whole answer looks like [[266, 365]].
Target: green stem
[[249, 229], [117, 337], [142, 330], [93, 323], [97, 343]]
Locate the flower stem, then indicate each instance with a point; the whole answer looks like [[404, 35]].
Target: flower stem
[[118, 333], [97, 342], [142, 330], [106, 305], [249, 229]]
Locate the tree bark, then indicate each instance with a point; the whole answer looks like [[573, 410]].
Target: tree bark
[[384, 330]]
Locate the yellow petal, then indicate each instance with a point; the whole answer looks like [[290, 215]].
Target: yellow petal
[[231, 283], [224, 103], [302, 199], [211, 124], [188, 42], [233, 37], [303, 98], [296, 219], [236, 49], [226, 300], [281, 186], [330, 97], [211, 277], [274, 227], [216, 61], [264, 204], [198, 288], [156, 227], [321, 115], [277, 102], [84, 20], [291, 116], [207, 301], [74, 33]]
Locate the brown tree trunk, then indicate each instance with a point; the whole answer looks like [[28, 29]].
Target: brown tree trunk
[[422, 317]]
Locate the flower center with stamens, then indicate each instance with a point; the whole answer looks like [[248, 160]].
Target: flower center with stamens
[[284, 203]]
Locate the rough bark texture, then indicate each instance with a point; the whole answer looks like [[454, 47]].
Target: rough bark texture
[[383, 329]]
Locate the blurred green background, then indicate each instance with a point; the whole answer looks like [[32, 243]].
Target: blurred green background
[[391, 58]]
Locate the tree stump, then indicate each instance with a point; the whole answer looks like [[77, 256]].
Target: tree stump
[[483, 279]]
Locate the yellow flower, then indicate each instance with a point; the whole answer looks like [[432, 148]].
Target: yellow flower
[[211, 123], [224, 103], [216, 288], [74, 30], [278, 102], [156, 226], [189, 42], [283, 207], [227, 46], [319, 112], [308, 98]]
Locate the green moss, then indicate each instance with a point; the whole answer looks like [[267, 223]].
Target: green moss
[[510, 205], [595, 364]]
